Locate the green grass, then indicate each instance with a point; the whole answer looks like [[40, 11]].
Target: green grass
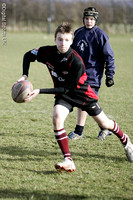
[[28, 149]]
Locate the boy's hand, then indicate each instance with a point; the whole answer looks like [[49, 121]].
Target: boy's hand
[[109, 81], [24, 77], [33, 94]]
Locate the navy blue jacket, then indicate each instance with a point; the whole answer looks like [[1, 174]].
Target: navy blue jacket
[[94, 48]]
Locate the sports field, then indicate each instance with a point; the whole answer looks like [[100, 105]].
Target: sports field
[[28, 149]]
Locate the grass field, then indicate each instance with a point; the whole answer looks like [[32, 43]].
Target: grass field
[[28, 150]]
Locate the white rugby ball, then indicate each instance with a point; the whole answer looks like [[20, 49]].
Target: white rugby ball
[[21, 91]]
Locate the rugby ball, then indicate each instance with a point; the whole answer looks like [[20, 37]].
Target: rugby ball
[[21, 91]]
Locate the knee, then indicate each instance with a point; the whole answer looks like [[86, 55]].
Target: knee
[[56, 121]]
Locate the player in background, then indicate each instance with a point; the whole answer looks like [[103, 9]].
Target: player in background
[[71, 89], [92, 44]]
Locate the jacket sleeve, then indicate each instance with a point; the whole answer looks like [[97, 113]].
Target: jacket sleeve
[[30, 56], [59, 90], [109, 59], [35, 54]]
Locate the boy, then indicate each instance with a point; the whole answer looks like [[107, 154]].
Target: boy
[[92, 44], [71, 89]]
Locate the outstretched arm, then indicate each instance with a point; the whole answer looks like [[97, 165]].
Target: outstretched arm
[[34, 93]]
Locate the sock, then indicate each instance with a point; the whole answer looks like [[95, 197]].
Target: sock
[[118, 132], [62, 139], [79, 129]]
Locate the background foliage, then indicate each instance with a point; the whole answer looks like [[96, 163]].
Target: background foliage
[[44, 15]]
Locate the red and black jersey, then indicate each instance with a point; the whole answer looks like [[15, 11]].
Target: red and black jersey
[[67, 71]]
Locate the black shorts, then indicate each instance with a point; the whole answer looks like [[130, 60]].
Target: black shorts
[[93, 109]]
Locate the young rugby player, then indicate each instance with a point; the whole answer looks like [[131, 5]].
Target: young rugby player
[[71, 89], [92, 44]]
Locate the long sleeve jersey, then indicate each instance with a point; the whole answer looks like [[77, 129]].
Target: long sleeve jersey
[[67, 71], [94, 48]]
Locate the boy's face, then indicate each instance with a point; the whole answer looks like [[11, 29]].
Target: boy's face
[[89, 22], [63, 41]]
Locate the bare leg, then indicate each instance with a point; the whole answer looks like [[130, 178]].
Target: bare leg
[[59, 115], [106, 123], [103, 121], [81, 117]]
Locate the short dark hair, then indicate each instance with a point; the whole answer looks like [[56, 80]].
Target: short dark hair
[[65, 27]]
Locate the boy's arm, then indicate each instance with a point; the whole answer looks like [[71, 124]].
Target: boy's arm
[[28, 57], [34, 93], [110, 64]]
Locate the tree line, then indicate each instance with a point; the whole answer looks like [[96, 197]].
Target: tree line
[[44, 15]]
